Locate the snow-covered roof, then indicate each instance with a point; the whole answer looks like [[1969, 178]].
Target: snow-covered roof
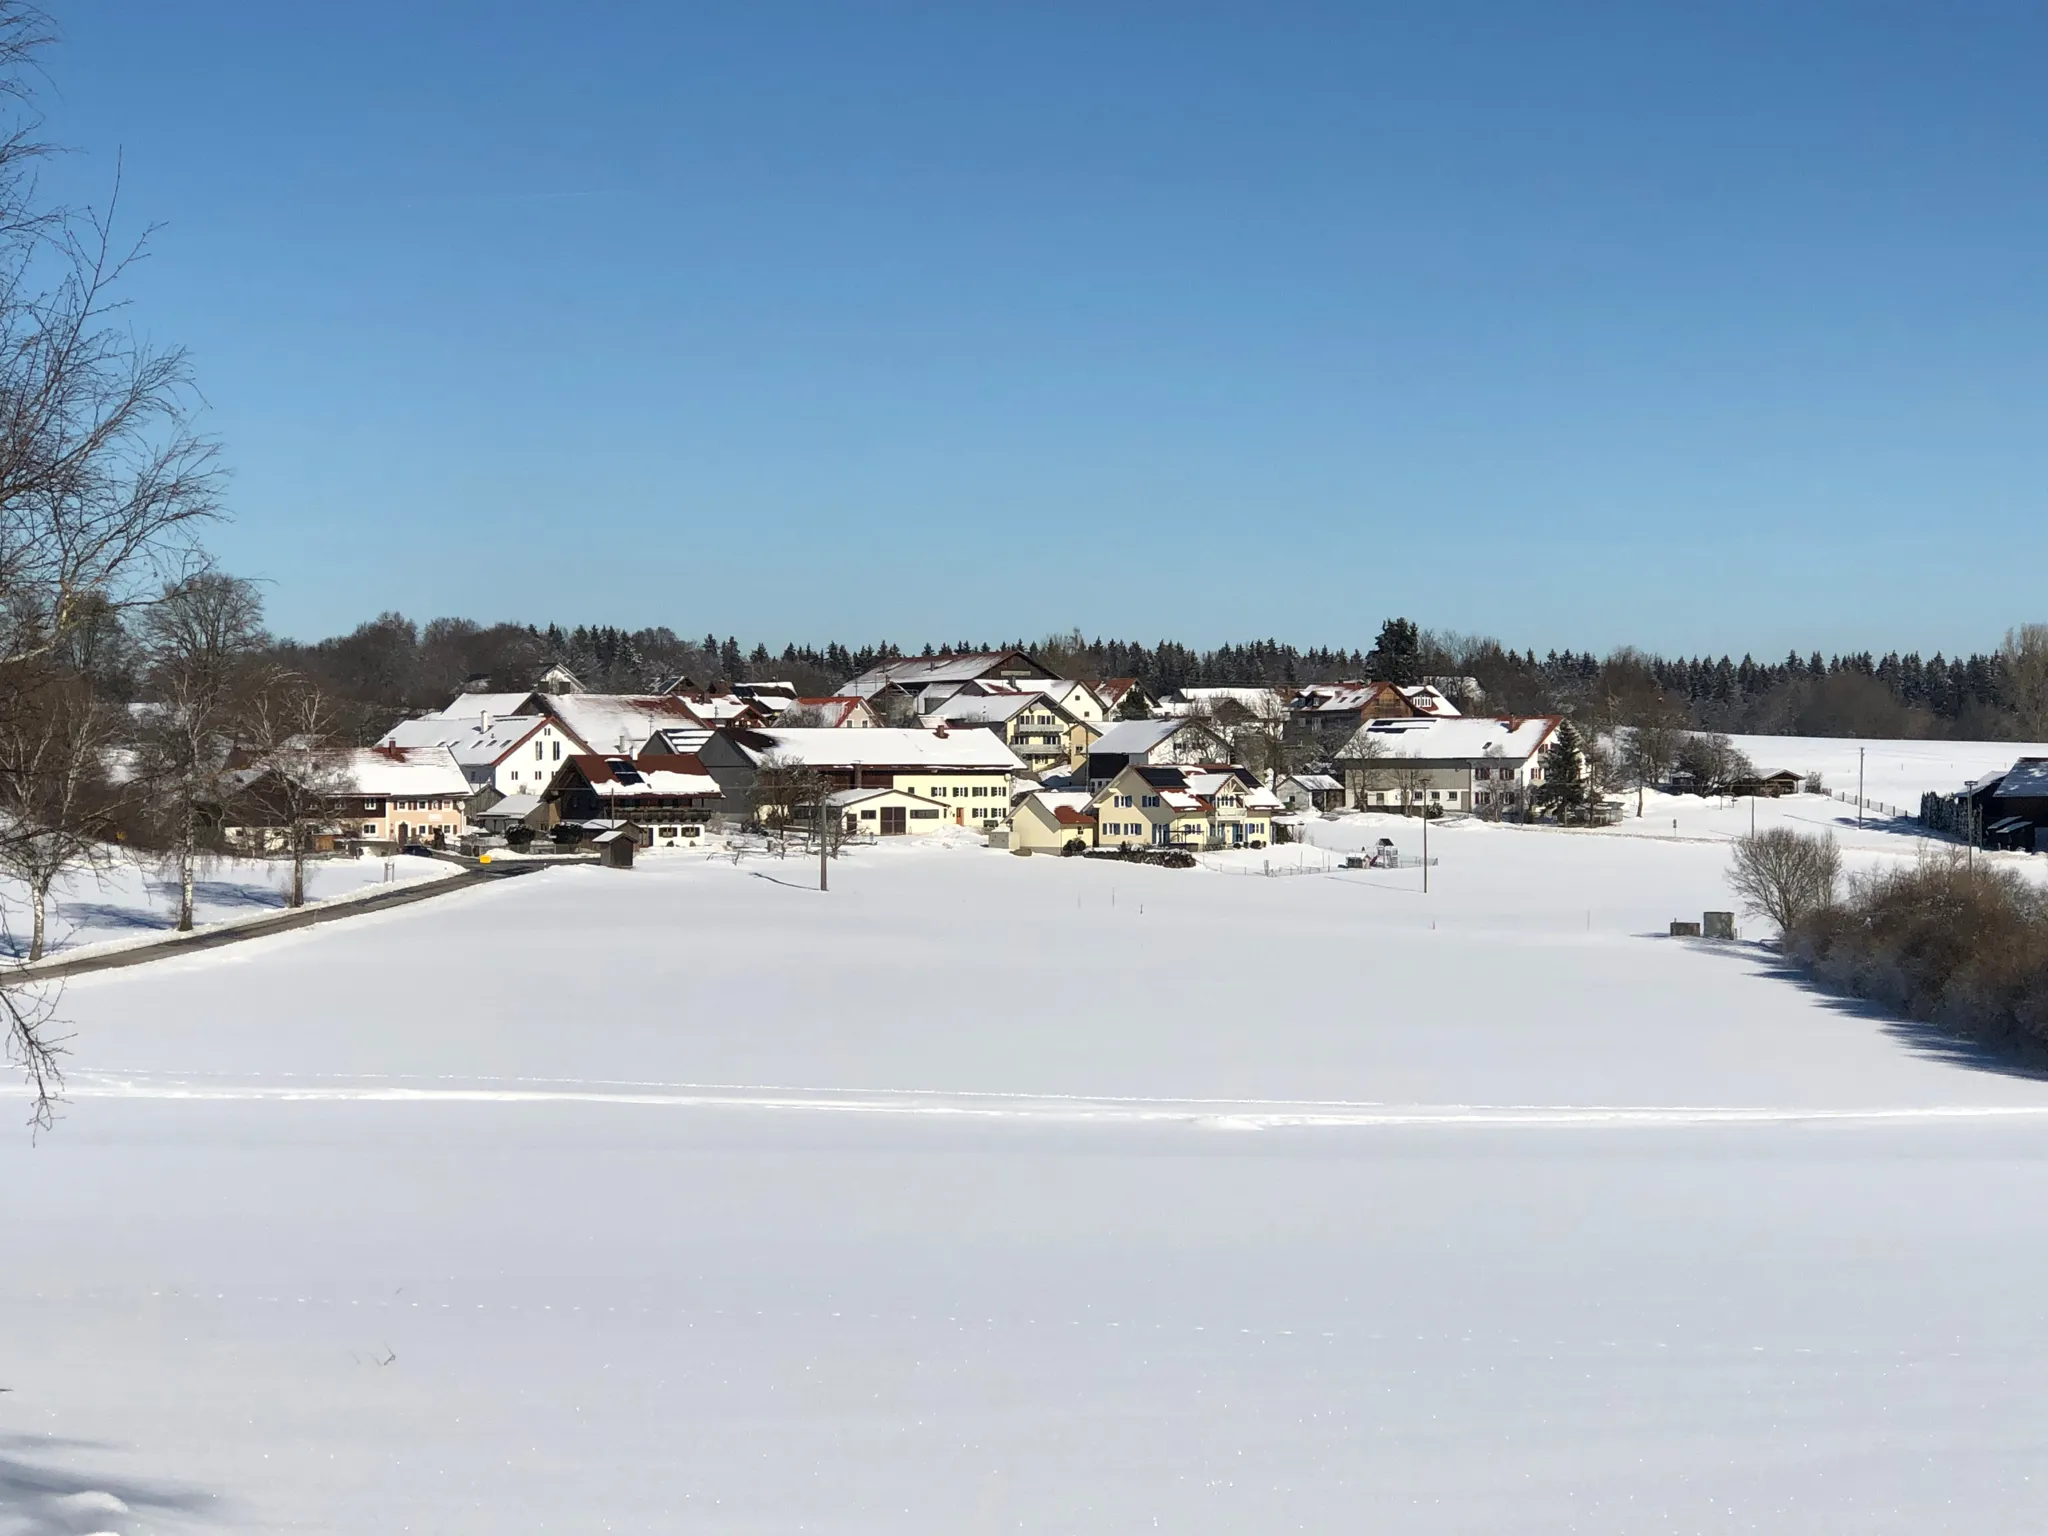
[[884, 747], [838, 709], [983, 708], [1134, 738], [404, 772], [1353, 698], [622, 778], [480, 741], [1260, 703], [512, 807], [468, 706], [1514, 738], [915, 672], [619, 722], [855, 796], [1315, 783], [2026, 779]]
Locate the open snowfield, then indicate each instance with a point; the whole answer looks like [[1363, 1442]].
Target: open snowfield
[[130, 902], [999, 1194]]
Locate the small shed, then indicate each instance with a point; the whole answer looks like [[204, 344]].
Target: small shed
[[615, 847]]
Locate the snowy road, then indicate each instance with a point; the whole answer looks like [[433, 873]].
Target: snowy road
[[964, 1200]]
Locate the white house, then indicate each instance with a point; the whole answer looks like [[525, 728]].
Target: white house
[[1470, 763], [514, 755], [1153, 742]]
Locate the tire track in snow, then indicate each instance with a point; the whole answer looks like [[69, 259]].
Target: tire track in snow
[[1223, 1114]]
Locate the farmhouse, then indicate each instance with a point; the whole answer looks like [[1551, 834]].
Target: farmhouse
[[1467, 763], [661, 794], [969, 771], [508, 754], [889, 812], [1325, 710], [402, 795]]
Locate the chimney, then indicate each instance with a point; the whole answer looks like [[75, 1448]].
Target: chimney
[[940, 731]]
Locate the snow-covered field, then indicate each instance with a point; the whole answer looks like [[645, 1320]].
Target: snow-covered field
[[999, 1194], [1895, 772], [135, 903]]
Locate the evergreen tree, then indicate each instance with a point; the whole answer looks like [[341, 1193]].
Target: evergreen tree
[[1397, 654], [1567, 788]]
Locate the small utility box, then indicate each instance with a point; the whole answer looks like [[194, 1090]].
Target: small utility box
[[1684, 930], [1717, 925]]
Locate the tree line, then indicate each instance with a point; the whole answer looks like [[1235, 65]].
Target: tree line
[[390, 667]]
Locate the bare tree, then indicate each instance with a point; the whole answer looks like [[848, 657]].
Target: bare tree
[[297, 776], [102, 475], [1786, 875], [1645, 753], [54, 791], [2025, 655], [202, 634]]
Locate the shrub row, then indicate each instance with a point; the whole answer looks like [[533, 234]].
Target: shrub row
[[1943, 941]]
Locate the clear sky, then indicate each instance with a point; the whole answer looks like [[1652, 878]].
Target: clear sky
[[1719, 326]]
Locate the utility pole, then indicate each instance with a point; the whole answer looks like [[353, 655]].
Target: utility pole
[[824, 804], [1425, 848], [1859, 786]]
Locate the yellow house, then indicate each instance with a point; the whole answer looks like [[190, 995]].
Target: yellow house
[[1148, 806], [1047, 820]]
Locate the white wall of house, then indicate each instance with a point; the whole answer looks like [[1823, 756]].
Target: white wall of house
[[531, 766]]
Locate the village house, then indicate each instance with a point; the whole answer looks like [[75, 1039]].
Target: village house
[[1470, 763], [1310, 791], [1048, 820], [895, 687], [506, 755], [666, 797], [1324, 710], [1153, 742], [1042, 732], [1124, 698], [968, 771], [840, 712], [1147, 806], [399, 796]]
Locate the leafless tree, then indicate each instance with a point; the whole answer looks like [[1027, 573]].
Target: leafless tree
[[801, 717], [102, 474], [55, 797], [202, 634], [2025, 654], [781, 784], [1711, 760], [1645, 753], [296, 774], [1786, 875]]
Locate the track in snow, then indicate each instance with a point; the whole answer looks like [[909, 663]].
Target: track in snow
[[1222, 1114]]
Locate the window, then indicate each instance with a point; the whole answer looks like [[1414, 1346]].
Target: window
[[1123, 802], [558, 751], [1151, 802], [924, 813], [369, 829], [538, 750], [867, 815]]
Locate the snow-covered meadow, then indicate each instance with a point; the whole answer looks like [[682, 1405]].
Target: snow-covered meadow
[[132, 902], [988, 1194]]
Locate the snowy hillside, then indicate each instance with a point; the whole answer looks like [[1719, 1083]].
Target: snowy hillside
[[988, 1193]]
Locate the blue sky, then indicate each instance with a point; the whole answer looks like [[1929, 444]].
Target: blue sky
[[1710, 327]]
